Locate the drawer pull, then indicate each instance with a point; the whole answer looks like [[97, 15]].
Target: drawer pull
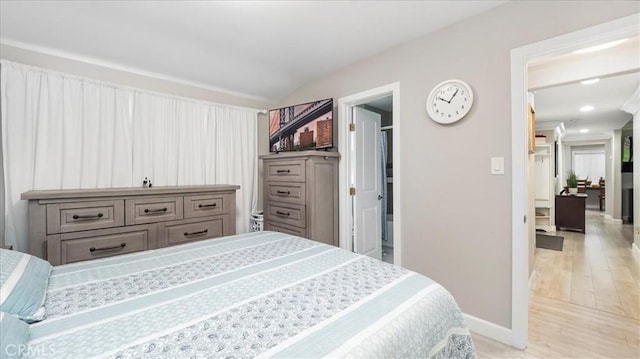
[[154, 211], [94, 249], [283, 171], [283, 213], [206, 205], [88, 216], [284, 192], [187, 234]]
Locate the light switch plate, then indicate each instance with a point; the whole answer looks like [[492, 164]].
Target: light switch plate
[[497, 165]]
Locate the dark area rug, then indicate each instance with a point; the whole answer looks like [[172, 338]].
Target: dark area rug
[[549, 242]]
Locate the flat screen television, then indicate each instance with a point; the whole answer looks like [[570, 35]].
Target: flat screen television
[[307, 126]]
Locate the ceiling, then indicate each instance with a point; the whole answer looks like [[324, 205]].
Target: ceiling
[[560, 103], [256, 49]]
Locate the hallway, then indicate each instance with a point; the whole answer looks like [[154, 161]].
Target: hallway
[[596, 270], [585, 300]]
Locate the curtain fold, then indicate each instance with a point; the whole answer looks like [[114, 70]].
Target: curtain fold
[[62, 132]]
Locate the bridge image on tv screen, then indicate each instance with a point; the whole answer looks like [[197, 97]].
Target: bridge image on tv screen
[[306, 126]]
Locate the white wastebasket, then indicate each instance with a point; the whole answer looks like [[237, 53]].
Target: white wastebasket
[[257, 221]]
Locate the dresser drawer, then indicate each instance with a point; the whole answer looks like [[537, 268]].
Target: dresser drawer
[[107, 245], [151, 210], [269, 226], [193, 231], [83, 216], [291, 214], [292, 170], [289, 192], [205, 205]]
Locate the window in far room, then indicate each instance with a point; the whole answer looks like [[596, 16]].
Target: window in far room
[[589, 164]]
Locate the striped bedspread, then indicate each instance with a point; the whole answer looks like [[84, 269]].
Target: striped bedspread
[[262, 294]]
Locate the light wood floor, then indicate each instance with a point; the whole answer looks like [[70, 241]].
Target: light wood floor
[[584, 301]]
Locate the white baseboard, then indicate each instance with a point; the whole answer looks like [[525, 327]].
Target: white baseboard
[[634, 247], [488, 329], [611, 219]]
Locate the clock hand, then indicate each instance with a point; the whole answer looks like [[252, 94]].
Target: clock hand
[[440, 98], [454, 95]]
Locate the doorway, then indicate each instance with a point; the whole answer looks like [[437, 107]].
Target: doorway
[[364, 229], [374, 175], [520, 57]]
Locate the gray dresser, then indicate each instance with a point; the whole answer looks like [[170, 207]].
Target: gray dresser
[[301, 194], [68, 226]]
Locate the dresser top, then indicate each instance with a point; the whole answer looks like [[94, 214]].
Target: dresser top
[[125, 191], [298, 154]]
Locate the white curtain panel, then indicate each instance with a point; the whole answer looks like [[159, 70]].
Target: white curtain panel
[[62, 132]]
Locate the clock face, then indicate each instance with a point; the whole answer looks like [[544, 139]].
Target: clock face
[[449, 101]]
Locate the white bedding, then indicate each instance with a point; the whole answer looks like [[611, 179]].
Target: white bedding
[[261, 294]]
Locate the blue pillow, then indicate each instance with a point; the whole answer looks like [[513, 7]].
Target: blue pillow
[[14, 334], [23, 285]]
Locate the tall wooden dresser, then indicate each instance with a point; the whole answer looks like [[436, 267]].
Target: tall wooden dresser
[[301, 194], [74, 225]]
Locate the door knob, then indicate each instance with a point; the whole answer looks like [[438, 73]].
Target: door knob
[[380, 197]]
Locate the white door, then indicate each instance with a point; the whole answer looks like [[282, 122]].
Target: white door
[[367, 204]]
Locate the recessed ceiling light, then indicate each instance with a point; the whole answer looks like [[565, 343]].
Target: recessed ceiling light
[[584, 130], [586, 108], [590, 81], [600, 47]]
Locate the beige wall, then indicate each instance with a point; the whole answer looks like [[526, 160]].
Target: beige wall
[[456, 221]]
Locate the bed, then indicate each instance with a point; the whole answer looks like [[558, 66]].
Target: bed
[[261, 294]]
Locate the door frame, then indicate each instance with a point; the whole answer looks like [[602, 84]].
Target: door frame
[[520, 57], [346, 147]]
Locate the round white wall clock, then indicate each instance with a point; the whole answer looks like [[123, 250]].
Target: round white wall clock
[[449, 101]]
